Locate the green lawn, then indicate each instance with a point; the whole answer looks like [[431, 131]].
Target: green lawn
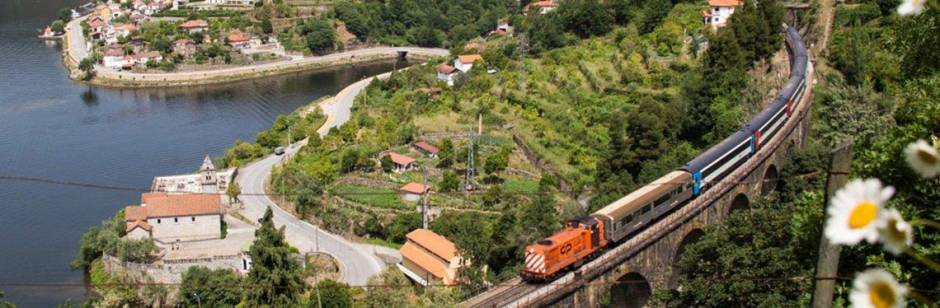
[[520, 186], [378, 197]]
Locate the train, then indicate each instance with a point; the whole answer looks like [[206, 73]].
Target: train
[[584, 238]]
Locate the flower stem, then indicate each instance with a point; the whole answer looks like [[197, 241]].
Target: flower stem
[[923, 259], [920, 298], [926, 222]]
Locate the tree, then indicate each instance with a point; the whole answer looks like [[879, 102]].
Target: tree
[[266, 26], [233, 191], [585, 17], [65, 14], [5, 304], [768, 240], [87, 65], [321, 36], [391, 289], [498, 162], [450, 182], [274, 279], [205, 287], [330, 294], [446, 154], [57, 26]]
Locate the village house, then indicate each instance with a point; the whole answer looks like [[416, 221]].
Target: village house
[[207, 180], [429, 259], [239, 40], [719, 11], [184, 47], [427, 149], [195, 25], [170, 218], [465, 62], [114, 58], [447, 73], [542, 7], [413, 191], [402, 163], [147, 56]]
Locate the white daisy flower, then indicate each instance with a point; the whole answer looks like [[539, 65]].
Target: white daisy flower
[[911, 7], [896, 234], [876, 288], [854, 211], [923, 158]]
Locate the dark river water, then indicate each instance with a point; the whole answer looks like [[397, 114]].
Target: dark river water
[[52, 127]]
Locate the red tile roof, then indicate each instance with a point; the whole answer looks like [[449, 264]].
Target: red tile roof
[[184, 205], [195, 23], [706, 13], [238, 38], [140, 223], [132, 213], [469, 58], [725, 2], [427, 147], [114, 52], [415, 188], [445, 69], [400, 159], [434, 243]]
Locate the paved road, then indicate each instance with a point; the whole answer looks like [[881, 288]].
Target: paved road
[[357, 263], [77, 47]]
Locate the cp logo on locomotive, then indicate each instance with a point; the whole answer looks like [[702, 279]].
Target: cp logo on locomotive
[[565, 249]]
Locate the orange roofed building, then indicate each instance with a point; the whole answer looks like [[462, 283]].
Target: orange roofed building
[[428, 258], [402, 163], [170, 218]]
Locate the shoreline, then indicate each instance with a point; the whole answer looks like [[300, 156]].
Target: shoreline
[[122, 79]]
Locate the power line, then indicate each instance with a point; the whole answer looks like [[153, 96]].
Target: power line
[[525, 193]]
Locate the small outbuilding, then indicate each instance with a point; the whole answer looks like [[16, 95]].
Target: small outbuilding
[[403, 163], [447, 74], [413, 191], [427, 148]]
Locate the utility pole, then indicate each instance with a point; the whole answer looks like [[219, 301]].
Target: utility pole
[[424, 202], [468, 176], [523, 48], [827, 266]]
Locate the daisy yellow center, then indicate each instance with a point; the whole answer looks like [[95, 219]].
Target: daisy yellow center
[[863, 214], [928, 157], [881, 295]]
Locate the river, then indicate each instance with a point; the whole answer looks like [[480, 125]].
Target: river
[[52, 127]]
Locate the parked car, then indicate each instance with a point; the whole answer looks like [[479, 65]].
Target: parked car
[[279, 151]]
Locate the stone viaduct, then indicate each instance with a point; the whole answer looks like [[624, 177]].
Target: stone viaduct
[[647, 261]]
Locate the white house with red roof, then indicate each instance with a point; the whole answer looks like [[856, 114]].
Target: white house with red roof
[[402, 163], [114, 58], [239, 40], [719, 11], [465, 62], [195, 25], [413, 191], [170, 218], [447, 73], [542, 7]]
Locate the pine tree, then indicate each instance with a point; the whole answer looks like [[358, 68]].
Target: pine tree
[[274, 279]]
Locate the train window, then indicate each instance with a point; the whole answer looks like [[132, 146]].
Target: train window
[[626, 220], [646, 209], [662, 200]]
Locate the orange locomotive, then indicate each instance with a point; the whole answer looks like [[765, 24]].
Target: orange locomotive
[[581, 239]]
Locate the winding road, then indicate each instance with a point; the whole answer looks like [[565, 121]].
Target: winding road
[[357, 262]]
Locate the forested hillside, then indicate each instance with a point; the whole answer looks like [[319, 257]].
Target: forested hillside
[[879, 88], [592, 99]]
